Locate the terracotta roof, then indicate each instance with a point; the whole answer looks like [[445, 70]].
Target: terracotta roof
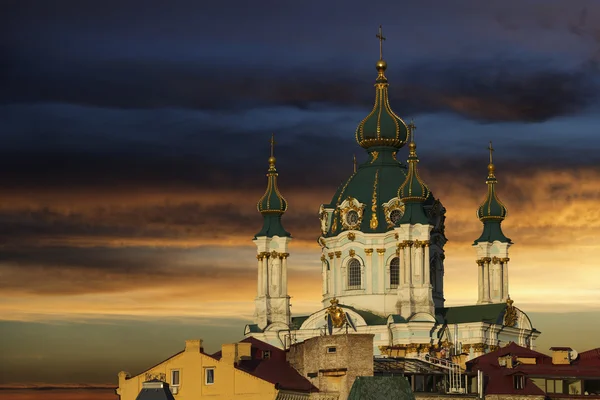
[[500, 379], [561, 348], [275, 369]]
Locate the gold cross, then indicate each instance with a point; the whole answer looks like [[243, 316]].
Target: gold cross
[[381, 39], [491, 149], [272, 141], [411, 130]]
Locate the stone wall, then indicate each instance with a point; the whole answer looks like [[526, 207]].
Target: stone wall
[[332, 362]]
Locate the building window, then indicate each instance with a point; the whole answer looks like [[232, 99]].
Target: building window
[[394, 272], [266, 354], [354, 278], [209, 376], [519, 381], [175, 377], [331, 349]]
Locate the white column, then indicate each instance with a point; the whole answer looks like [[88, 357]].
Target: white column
[[411, 263], [418, 272], [486, 279], [381, 271], [276, 276], [504, 264], [259, 291], [324, 275], [265, 276], [284, 290], [427, 265], [369, 270], [332, 275], [479, 281]]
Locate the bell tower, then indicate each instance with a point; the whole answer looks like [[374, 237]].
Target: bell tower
[[272, 303], [492, 246]]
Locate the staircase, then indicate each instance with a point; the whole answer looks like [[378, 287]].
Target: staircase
[[457, 383]]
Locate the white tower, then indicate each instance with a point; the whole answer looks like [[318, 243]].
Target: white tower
[[492, 246], [272, 303], [413, 232]]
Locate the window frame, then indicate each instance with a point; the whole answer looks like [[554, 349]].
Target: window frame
[[519, 381], [397, 275], [206, 370], [354, 265], [173, 371]]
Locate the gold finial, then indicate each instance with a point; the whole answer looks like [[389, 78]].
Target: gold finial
[[354, 162], [491, 168], [381, 39], [272, 158], [411, 132]]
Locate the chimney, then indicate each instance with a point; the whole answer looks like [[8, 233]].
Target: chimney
[[232, 353], [561, 355], [194, 346]]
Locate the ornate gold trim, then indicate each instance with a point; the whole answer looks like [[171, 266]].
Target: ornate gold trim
[[374, 223], [380, 251], [351, 236], [394, 204], [338, 254], [352, 253], [369, 251], [330, 255], [479, 347], [353, 205]]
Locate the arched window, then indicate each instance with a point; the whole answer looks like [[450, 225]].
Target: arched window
[[354, 278], [395, 272]]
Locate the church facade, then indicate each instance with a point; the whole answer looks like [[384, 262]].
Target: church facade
[[382, 256]]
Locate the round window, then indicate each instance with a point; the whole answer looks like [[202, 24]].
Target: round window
[[395, 215], [352, 218]]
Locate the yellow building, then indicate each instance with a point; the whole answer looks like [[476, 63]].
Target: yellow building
[[250, 369]]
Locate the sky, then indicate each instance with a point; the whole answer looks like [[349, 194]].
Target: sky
[[134, 138]]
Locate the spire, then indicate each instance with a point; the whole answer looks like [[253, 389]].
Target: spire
[[492, 211], [272, 205], [413, 192], [382, 127]]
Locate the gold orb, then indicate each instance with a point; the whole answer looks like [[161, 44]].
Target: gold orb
[[381, 65], [271, 160]]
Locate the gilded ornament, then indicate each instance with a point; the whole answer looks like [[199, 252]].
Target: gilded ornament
[[479, 347], [338, 254], [446, 344], [374, 223], [391, 206], [380, 251], [479, 262], [424, 348], [375, 154], [351, 236], [495, 260], [466, 348], [369, 251], [337, 314], [396, 236], [323, 259], [487, 260], [412, 347], [352, 206], [505, 260], [330, 255], [493, 347], [510, 315], [352, 253]]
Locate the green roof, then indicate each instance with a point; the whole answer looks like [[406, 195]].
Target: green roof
[[253, 328], [377, 179], [369, 317], [492, 212], [381, 388], [382, 127], [272, 205], [298, 321], [492, 313], [492, 231]]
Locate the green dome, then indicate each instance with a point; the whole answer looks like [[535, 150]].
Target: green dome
[[413, 188], [491, 208], [492, 212], [374, 183], [382, 127], [272, 206]]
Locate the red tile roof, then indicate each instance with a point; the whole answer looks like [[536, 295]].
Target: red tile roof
[[275, 369], [500, 379]]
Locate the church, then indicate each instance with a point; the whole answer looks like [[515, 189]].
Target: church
[[382, 256]]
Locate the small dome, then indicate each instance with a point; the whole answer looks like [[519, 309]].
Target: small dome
[[382, 127], [272, 201], [491, 208], [413, 189]]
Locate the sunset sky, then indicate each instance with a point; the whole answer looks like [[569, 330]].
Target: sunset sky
[[134, 145]]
